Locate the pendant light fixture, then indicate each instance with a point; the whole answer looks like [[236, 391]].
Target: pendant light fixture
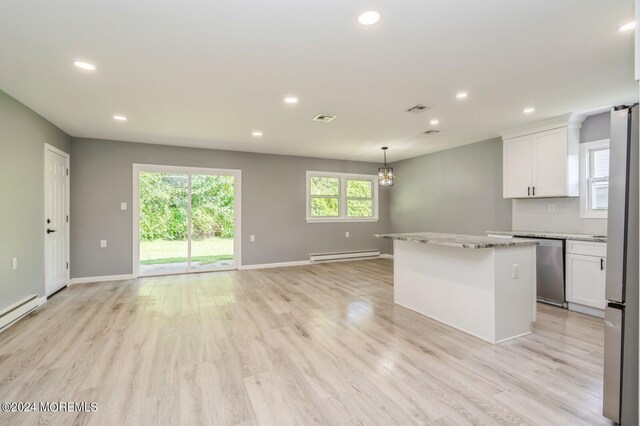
[[385, 174]]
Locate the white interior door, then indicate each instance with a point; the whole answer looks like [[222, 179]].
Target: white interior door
[[56, 219]]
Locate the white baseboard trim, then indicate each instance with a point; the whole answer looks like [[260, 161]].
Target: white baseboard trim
[[303, 262], [42, 301], [86, 280], [273, 265], [588, 310]]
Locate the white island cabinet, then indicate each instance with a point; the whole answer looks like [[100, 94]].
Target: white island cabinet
[[480, 285]]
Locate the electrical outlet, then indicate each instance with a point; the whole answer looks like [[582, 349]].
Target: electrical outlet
[[252, 238], [14, 264], [551, 208], [123, 206], [103, 243], [346, 234], [515, 274]]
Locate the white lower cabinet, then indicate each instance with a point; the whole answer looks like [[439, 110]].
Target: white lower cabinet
[[586, 283]]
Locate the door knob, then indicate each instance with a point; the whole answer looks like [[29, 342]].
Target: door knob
[[50, 231]]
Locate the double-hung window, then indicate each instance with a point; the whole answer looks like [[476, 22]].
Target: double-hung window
[[594, 179], [341, 197]]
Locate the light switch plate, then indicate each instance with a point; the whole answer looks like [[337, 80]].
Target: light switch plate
[[123, 206], [551, 208], [14, 264], [346, 234], [103, 243], [516, 271], [252, 238]]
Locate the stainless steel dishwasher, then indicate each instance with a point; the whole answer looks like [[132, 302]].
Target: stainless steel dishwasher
[[550, 272]]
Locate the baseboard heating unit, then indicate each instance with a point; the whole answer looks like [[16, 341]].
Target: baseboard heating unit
[[344, 255], [19, 309]]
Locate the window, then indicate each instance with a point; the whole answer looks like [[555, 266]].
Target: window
[[341, 197], [594, 179]]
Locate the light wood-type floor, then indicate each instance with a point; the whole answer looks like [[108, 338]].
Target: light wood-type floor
[[321, 344]]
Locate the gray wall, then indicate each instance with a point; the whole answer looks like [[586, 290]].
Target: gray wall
[[458, 190], [596, 127], [273, 204], [533, 214], [23, 134]]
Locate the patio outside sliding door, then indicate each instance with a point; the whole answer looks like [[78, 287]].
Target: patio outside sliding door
[[186, 219]]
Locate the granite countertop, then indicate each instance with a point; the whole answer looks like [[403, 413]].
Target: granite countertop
[[455, 240], [553, 235]]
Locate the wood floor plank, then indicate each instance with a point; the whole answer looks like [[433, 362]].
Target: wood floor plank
[[318, 344]]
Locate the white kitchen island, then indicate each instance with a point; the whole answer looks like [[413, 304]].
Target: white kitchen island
[[480, 285]]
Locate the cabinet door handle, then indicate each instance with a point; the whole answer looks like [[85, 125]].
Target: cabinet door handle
[[534, 190], [528, 191], [601, 264]]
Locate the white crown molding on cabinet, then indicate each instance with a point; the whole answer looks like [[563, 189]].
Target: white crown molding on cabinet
[[570, 120]]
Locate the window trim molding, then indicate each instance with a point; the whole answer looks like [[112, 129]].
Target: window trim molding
[[585, 159], [342, 197]]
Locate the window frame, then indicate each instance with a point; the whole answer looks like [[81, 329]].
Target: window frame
[[586, 212], [342, 197]]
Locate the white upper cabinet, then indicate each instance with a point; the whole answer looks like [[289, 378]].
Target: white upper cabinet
[[542, 160], [518, 167], [550, 164]]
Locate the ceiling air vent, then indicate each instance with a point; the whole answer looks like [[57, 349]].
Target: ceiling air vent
[[419, 108], [325, 118], [431, 132]]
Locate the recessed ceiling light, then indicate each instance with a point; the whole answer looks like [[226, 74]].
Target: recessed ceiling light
[[434, 122], [84, 65], [256, 133], [290, 100], [528, 110], [628, 26], [462, 95], [369, 17], [119, 117]]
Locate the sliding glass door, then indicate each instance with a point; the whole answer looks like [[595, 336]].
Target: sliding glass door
[[212, 221], [164, 222], [186, 219]]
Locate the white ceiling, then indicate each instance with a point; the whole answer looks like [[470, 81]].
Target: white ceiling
[[208, 73]]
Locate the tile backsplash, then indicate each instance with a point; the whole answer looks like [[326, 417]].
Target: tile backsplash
[[534, 215]]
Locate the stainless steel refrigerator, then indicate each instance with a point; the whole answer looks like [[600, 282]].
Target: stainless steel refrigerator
[[621, 315]]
